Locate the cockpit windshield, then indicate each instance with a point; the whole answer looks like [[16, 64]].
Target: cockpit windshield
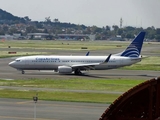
[[17, 60]]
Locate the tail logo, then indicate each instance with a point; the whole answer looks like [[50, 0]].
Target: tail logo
[[134, 49], [131, 51]]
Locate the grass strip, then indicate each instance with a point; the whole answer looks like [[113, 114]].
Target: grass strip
[[75, 84], [37, 44], [60, 96], [70, 84], [150, 63], [4, 54]]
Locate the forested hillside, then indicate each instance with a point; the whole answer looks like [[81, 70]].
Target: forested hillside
[[10, 24]]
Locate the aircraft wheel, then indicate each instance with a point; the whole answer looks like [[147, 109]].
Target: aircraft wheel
[[23, 72], [75, 72], [78, 72]]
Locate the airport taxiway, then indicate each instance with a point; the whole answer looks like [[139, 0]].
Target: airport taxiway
[[17, 109]]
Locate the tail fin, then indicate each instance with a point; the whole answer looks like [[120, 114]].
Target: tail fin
[[134, 49]]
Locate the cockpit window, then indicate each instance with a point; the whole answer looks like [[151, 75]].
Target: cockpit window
[[17, 60]]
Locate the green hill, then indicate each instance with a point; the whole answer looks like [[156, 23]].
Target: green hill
[[6, 17]]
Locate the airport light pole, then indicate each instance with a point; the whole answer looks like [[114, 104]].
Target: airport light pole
[[35, 99]]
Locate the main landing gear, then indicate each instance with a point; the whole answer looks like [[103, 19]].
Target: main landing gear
[[77, 72]]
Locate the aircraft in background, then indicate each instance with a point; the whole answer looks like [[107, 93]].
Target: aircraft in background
[[76, 64]]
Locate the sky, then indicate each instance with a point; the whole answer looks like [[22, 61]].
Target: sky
[[136, 13]]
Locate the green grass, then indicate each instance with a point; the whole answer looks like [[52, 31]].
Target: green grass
[[65, 45], [60, 96], [57, 45], [112, 85], [4, 54], [76, 84], [150, 63]]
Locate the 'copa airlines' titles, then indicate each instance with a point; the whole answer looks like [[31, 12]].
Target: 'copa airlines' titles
[[47, 59]]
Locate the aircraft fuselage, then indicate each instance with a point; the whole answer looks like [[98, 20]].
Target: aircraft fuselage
[[52, 62]]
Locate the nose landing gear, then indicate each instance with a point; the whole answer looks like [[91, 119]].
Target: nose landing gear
[[23, 72]]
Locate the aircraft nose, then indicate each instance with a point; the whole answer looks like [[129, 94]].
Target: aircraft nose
[[12, 64]]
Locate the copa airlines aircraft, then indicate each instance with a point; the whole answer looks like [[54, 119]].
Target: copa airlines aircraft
[[76, 64]]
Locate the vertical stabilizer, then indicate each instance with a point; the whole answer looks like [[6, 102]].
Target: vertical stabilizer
[[134, 49]]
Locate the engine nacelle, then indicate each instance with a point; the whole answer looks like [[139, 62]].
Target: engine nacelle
[[64, 69]]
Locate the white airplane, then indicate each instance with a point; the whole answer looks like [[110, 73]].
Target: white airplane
[[76, 64]]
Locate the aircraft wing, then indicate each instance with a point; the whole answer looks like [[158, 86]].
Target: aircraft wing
[[83, 65], [90, 65]]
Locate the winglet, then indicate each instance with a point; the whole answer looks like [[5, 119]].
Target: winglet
[[108, 58]]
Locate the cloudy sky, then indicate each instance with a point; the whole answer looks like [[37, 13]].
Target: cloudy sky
[[137, 13]]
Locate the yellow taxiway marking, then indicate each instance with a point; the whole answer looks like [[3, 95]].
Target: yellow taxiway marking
[[25, 102]]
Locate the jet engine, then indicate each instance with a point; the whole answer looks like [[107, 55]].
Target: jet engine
[[64, 69]]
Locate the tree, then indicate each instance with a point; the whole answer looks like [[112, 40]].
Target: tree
[[5, 28], [158, 38], [26, 18], [130, 28], [150, 32], [12, 30], [108, 28], [120, 31], [48, 19], [31, 29], [95, 29], [55, 20], [39, 25], [158, 31], [115, 29], [87, 31], [129, 35]]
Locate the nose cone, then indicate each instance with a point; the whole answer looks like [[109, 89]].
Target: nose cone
[[12, 64]]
